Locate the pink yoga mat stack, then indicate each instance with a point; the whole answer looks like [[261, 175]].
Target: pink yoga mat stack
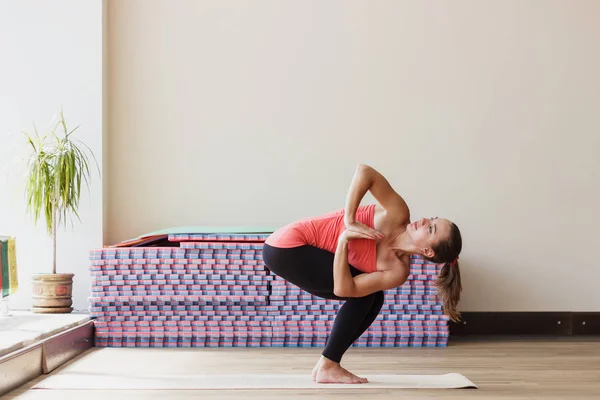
[[213, 290], [205, 290], [411, 315]]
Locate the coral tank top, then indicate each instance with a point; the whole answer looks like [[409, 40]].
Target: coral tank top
[[323, 232]]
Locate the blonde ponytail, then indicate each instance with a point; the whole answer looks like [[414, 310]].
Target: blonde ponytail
[[449, 288]]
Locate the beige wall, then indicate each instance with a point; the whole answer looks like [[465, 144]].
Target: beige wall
[[486, 112]]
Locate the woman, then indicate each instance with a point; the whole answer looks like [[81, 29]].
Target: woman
[[355, 254]]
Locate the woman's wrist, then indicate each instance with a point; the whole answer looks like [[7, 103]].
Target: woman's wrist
[[342, 240]]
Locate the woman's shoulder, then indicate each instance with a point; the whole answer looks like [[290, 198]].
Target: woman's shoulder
[[387, 222]]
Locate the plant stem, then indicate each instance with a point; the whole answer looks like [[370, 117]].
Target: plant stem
[[54, 239]]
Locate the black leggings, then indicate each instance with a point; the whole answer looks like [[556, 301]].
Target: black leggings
[[311, 269]]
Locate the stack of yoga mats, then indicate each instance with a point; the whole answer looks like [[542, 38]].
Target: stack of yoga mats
[[210, 288], [411, 314], [205, 290]]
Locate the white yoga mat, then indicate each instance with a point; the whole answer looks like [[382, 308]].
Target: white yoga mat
[[181, 369], [73, 380]]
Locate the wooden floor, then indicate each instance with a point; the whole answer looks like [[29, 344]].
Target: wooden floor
[[515, 369]]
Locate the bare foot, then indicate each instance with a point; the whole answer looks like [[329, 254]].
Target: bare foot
[[362, 380], [322, 359], [327, 371], [330, 363]]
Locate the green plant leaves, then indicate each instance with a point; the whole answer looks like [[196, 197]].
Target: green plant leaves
[[56, 169]]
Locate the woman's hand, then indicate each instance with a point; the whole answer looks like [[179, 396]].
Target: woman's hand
[[362, 231], [344, 285]]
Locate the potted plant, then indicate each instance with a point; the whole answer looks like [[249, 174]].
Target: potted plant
[[56, 169]]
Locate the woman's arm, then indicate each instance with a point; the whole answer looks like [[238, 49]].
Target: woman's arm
[[344, 285], [343, 282], [366, 179]]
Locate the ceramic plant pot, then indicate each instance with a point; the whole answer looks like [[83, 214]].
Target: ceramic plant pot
[[52, 293]]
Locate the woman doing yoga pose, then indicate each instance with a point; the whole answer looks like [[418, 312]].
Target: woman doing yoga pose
[[355, 254]]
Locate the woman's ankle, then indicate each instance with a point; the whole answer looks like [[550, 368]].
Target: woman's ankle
[[327, 363]]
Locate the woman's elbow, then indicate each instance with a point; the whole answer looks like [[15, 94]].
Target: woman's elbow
[[401, 280], [341, 292], [363, 168], [365, 173]]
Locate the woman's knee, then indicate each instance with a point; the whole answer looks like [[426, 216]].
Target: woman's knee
[[371, 300], [377, 299]]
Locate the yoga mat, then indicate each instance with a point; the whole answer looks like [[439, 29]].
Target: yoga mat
[[160, 369], [108, 381], [197, 231], [190, 230], [219, 237]]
